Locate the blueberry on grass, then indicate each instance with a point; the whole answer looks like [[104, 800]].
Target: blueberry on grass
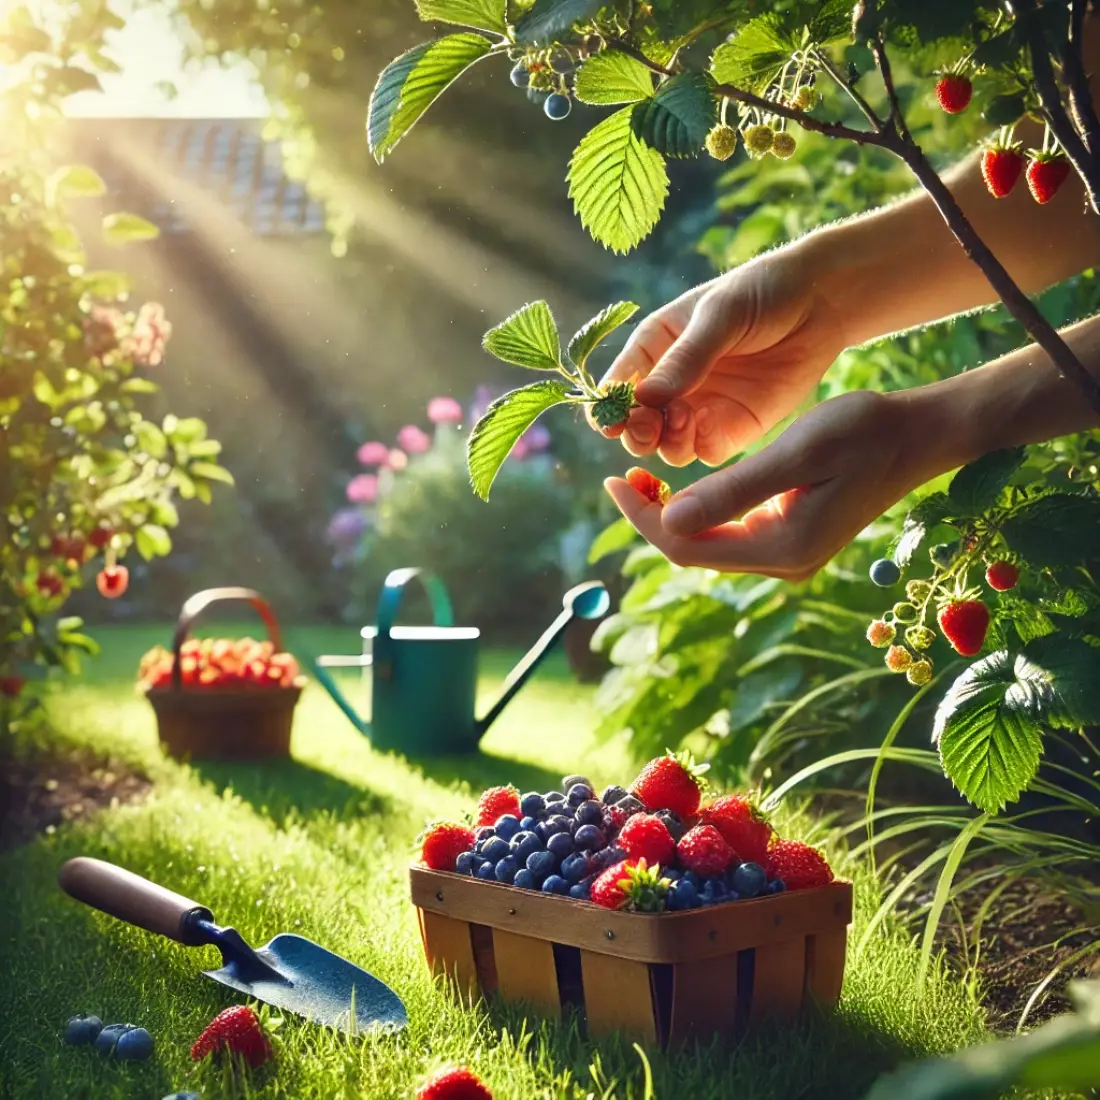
[[520, 76], [507, 826], [613, 795], [588, 836], [885, 573], [487, 871], [82, 1029], [589, 813], [749, 880], [776, 886], [532, 804], [560, 845], [506, 870], [468, 863], [134, 1045], [541, 864], [575, 867], [182, 1096], [555, 884], [557, 107], [578, 793], [107, 1038], [495, 850], [525, 880], [525, 845]]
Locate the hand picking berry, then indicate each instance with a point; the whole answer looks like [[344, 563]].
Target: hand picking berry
[[1001, 168], [964, 624], [442, 844], [1002, 576], [885, 573], [881, 633], [614, 405], [1045, 175], [649, 485], [743, 827], [236, 1031], [798, 865], [646, 837], [454, 1083], [671, 782], [496, 802], [953, 93]]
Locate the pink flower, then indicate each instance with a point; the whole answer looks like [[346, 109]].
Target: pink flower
[[149, 337], [346, 527], [521, 450], [373, 454], [101, 329], [537, 438], [397, 459], [444, 410], [414, 440], [363, 489]]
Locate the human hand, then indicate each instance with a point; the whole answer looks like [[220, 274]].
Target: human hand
[[725, 362], [786, 510]]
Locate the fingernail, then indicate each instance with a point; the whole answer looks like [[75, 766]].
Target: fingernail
[[683, 515], [677, 418]]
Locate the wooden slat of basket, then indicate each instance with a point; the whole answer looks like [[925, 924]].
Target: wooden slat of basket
[[618, 997], [825, 953], [449, 950], [779, 980], [526, 971], [669, 938], [704, 999]]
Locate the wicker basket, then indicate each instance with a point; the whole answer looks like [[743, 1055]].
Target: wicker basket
[[664, 979], [221, 724]]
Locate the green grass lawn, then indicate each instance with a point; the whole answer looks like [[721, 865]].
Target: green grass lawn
[[319, 845]]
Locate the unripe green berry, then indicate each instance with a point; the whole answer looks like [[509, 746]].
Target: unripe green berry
[[615, 404], [919, 637], [918, 591], [758, 141], [784, 145], [898, 658], [905, 613], [919, 673], [943, 553], [722, 142], [881, 633], [805, 99]]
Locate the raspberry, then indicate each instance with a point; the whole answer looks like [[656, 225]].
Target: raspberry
[[784, 145], [649, 485], [758, 141], [1045, 175], [442, 845], [722, 142], [919, 673], [898, 658], [964, 624], [1001, 168], [646, 837], [954, 92], [704, 850], [1002, 575], [881, 633], [798, 865]]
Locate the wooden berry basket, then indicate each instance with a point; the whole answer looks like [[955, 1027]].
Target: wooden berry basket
[[244, 724], [664, 979]]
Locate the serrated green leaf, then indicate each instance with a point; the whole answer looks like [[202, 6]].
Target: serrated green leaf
[[548, 20], [610, 78], [188, 430], [151, 439], [618, 536], [922, 517], [617, 183], [678, 118], [978, 485], [409, 85], [1004, 110], [1060, 529], [505, 420], [485, 15], [74, 181], [529, 338], [120, 229], [831, 22], [988, 741], [755, 57], [1066, 691], [599, 329], [152, 541], [211, 471]]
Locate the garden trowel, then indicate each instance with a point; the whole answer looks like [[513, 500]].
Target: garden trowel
[[290, 972]]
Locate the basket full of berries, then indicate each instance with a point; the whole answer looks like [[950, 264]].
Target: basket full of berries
[[649, 911], [219, 698]]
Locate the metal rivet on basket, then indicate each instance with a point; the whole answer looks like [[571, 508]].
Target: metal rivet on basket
[[713, 934], [610, 934], [439, 895], [511, 912]]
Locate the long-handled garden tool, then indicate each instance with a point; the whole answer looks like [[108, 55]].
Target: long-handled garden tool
[[290, 972]]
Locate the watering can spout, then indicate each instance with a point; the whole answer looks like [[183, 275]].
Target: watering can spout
[[321, 666], [585, 601]]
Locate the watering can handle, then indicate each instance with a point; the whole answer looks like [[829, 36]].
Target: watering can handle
[[393, 589]]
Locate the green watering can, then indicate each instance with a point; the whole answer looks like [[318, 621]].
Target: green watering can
[[423, 679]]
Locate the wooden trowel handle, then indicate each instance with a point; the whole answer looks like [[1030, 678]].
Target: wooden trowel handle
[[133, 899]]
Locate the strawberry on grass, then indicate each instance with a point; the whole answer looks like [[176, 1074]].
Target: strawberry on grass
[[236, 1031], [454, 1083]]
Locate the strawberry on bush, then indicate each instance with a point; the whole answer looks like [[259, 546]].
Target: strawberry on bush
[[221, 664]]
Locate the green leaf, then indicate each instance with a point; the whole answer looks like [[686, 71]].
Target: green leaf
[[105, 285], [617, 183], [66, 80], [529, 338], [151, 439], [74, 181], [1059, 529], [618, 536], [152, 541], [506, 419], [412, 83], [485, 15], [599, 329], [139, 385], [610, 78], [678, 118], [120, 229], [549, 19], [922, 518], [978, 485], [756, 56], [22, 36], [1063, 688], [1004, 110], [211, 472], [988, 739], [191, 429]]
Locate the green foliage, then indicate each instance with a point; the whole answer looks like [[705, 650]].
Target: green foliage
[[485, 15], [1059, 529], [678, 118], [599, 329], [549, 20], [529, 338], [119, 229], [978, 486], [611, 78]]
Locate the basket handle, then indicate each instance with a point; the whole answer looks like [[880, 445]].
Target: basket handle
[[199, 602]]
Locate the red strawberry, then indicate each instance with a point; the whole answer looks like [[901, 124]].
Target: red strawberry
[[798, 865], [496, 802], [11, 686], [964, 623], [1002, 575], [647, 837], [672, 782], [953, 92], [649, 485], [705, 851], [236, 1030], [442, 844], [633, 885], [454, 1083], [113, 581], [742, 826], [1001, 168], [1045, 174], [100, 536], [50, 584]]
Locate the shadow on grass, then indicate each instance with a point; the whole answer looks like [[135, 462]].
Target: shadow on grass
[[481, 770]]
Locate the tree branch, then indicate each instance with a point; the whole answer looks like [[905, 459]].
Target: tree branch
[[1080, 94], [878, 49], [856, 97]]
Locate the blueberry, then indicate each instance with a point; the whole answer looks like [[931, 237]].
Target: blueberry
[[557, 107], [520, 76], [613, 795], [682, 895], [532, 804], [487, 871], [525, 845], [552, 797], [82, 1029], [609, 857], [581, 891], [631, 804], [885, 573], [588, 836], [182, 1096], [541, 864], [714, 891], [589, 813], [528, 824], [749, 880], [776, 886], [506, 870], [107, 1038], [560, 844], [468, 863], [671, 873], [673, 823], [575, 867], [507, 826], [495, 850], [134, 1045], [579, 792], [692, 877], [525, 880], [555, 884], [485, 832]]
